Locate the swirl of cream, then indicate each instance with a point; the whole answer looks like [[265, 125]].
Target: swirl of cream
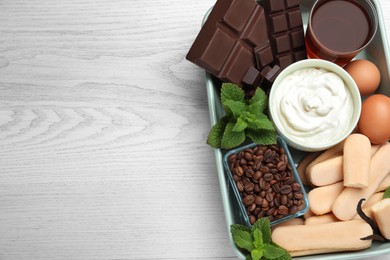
[[313, 104]]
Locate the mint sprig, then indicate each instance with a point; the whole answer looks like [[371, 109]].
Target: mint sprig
[[244, 118], [257, 241]]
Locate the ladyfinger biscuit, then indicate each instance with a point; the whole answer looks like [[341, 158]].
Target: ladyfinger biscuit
[[381, 212], [326, 172], [323, 238], [356, 160], [322, 198]]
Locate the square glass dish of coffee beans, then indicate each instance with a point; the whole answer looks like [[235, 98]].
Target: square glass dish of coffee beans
[[265, 182]]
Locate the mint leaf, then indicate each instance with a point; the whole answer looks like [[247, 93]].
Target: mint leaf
[[237, 108], [240, 125], [231, 138], [259, 122], [230, 91], [255, 109], [264, 225], [240, 227], [215, 135], [248, 257], [258, 236], [285, 256], [386, 195], [260, 98], [242, 237], [262, 136], [272, 252], [256, 254]]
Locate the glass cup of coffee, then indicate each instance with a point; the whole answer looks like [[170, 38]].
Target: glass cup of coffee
[[338, 30]]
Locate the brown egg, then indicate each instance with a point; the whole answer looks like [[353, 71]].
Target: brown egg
[[366, 75], [374, 120]]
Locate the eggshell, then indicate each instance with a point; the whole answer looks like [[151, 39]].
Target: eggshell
[[366, 75], [374, 121]]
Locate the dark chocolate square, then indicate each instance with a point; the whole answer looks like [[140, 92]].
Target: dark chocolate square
[[238, 64], [256, 33], [216, 52], [300, 55], [297, 38], [282, 43], [264, 56], [238, 22], [252, 77], [285, 59], [294, 18], [279, 23], [275, 5]]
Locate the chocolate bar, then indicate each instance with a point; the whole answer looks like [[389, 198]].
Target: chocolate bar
[[225, 45], [285, 31], [248, 44]]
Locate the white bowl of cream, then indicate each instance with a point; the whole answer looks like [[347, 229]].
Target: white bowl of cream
[[314, 104]]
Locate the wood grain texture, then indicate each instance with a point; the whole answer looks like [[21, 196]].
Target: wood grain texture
[[102, 133]]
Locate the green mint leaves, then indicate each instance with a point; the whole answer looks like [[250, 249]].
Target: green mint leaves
[[386, 195], [244, 118], [257, 242]]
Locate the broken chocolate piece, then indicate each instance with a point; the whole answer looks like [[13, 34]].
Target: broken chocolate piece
[[252, 77], [269, 75], [225, 45]]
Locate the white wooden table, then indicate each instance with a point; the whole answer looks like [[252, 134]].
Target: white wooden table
[[103, 126]]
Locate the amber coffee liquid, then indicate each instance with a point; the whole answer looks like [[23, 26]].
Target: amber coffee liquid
[[342, 26]]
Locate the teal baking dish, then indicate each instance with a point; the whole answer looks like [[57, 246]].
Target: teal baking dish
[[378, 53]]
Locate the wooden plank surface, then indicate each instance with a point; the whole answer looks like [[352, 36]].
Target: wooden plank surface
[[102, 133]]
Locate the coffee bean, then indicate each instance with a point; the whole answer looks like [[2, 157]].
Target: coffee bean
[[248, 200], [285, 189], [283, 210], [293, 209], [298, 196], [296, 186], [239, 171], [258, 200], [236, 178], [269, 197], [248, 156], [252, 207], [281, 166], [257, 175], [240, 186], [249, 187], [264, 169], [268, 176], [249, 173], [257, 164], [252, 219], [283, 199]]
